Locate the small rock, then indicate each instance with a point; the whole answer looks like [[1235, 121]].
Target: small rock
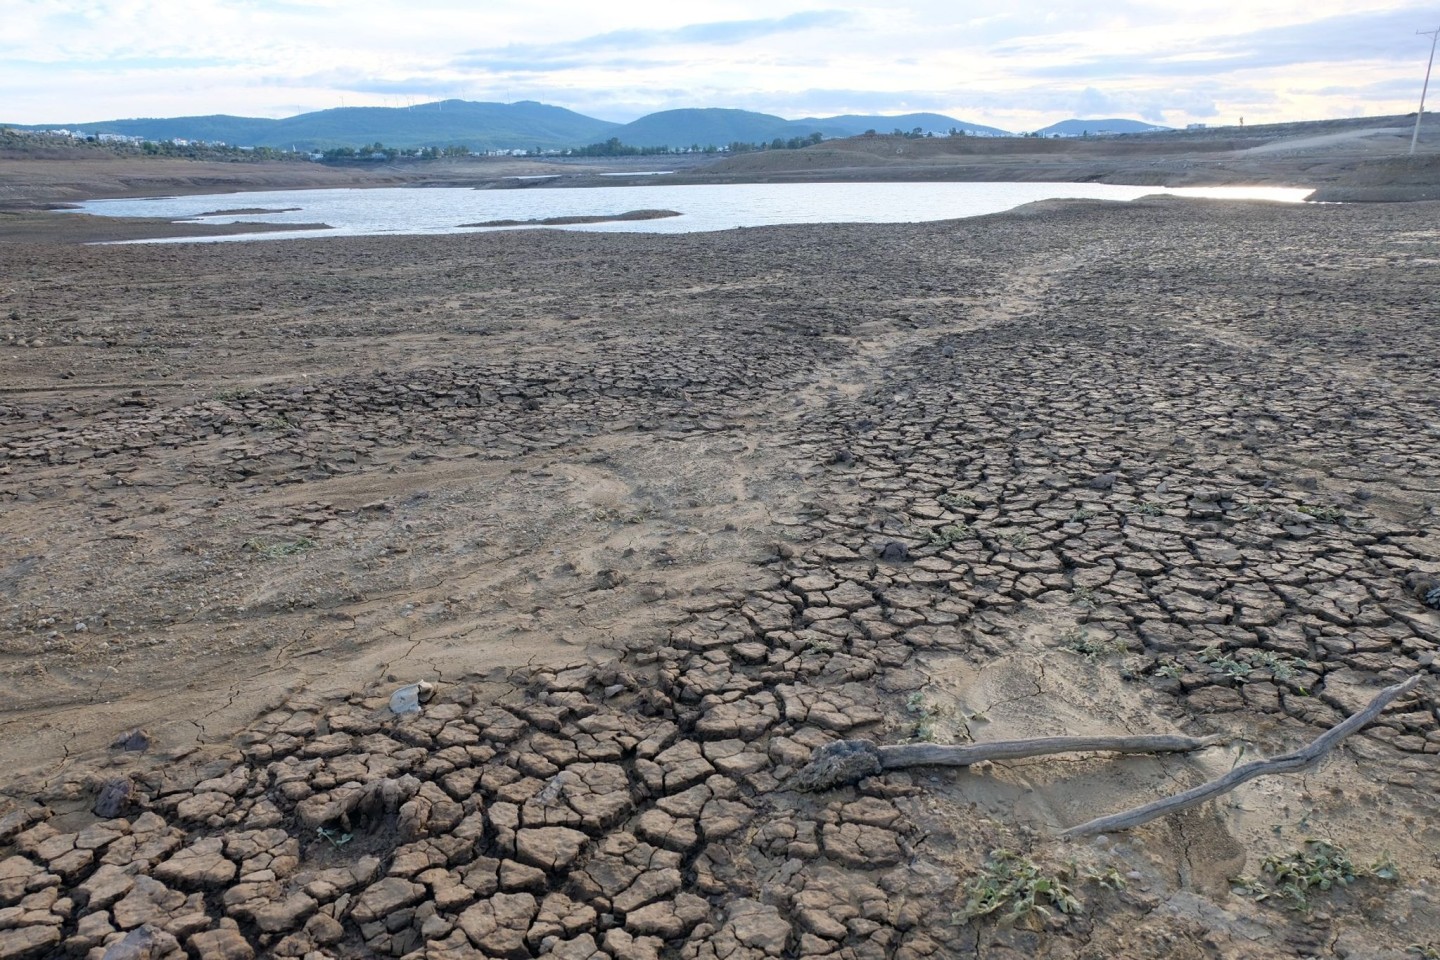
[[384, 897], [113, 798], [222, 944], [134, 741], [894, 552], [409, 697]]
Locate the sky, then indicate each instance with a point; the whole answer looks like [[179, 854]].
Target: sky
[[1018, 65]]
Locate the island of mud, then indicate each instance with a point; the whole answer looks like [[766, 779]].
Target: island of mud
[[569, 221]]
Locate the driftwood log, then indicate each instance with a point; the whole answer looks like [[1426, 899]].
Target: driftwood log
[[1293, 762], [848, 761]]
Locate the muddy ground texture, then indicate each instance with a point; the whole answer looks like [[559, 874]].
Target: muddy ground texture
[[657, 516]]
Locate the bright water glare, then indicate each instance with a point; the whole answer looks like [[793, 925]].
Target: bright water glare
[[385, 210]]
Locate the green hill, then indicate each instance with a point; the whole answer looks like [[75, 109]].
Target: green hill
[[711, 126], [852, 125], [480, 126], [504, 126]]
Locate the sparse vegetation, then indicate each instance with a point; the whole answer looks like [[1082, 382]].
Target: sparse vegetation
[[1280, 667], [1169, 669], [927, 724], [1016, 539], [229, 394], [1014, 890], [956, 501], [1239, 666], [1078, 640], [1324, 514], [1319, 866], [1232, 667], [950, 533]]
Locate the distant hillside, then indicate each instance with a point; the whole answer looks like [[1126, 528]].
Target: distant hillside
[[479, 126], [1079, 128], [718, 127], [712, 126], [507, 126], [852, 125]]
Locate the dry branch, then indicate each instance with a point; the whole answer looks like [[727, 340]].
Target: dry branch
[[1288, 763], [894, 756], [846, 761]]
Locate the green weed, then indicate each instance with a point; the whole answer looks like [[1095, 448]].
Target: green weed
[[929, 717], [228, 395], [1169, 669], [1323, 514], [927, 724], [1319, 866], [956, 501], [1080, 641], [1240, 666], [1280, 667], [950, 533], [1109, 878], [1014, 890], [1235, 669]]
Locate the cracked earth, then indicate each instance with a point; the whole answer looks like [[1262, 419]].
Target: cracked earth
[[657, 517]]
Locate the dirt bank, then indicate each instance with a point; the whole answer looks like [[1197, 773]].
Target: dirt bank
[[1363, 160], [659, 515]]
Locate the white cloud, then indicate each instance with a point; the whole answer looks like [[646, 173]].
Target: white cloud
[[1020, 66]]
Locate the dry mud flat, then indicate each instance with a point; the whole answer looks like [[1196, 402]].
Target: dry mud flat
[[658, 516]]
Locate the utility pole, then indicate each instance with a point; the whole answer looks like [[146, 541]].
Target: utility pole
[[1434, 35]]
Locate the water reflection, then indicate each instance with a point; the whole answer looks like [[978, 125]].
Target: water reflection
[[702, 207]]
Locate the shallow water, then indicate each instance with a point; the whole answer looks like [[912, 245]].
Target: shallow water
[[702, 207]]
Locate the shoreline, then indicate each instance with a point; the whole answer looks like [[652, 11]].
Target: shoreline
[[1358, 161]]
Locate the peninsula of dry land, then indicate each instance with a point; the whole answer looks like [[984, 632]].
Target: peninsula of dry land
[[657, 516]]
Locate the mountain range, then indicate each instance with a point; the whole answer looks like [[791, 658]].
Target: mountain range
[[528, 125]]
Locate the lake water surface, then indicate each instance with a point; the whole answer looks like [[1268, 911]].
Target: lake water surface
[[702, 207]]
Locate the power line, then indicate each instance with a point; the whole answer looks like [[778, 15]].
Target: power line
[[1434, 35]]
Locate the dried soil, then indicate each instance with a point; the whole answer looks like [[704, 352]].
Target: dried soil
[[658, 516]]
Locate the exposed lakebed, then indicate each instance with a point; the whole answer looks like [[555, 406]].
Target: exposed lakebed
[[700, 207]]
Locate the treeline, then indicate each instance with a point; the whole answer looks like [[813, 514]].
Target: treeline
[[794, 143], [378, 151], [210, 151], [918, 133], [18, 144], [614, 148]]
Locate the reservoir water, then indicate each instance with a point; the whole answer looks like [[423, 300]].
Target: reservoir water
[[385, 210]]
